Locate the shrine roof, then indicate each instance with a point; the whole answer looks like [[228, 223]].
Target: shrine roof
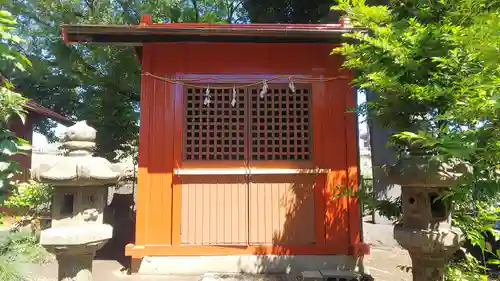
[[34, 107], [148, 32]]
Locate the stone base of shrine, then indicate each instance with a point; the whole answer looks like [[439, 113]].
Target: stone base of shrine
[[292, 265]]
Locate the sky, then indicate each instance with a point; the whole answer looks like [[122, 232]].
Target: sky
[[40, 141]]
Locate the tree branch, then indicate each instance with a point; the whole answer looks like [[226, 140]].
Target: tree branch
[[195, 6], [233, 9]]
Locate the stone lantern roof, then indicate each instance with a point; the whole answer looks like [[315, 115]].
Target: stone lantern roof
[[79, 168]]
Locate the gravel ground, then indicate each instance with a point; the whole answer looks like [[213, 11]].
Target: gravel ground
[[382, 264]]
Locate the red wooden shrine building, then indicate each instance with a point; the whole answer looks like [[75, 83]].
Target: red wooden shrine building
[[244, 141]]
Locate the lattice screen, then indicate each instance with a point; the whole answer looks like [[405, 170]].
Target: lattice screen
[[217, 131], [280, 123], [276, 127]]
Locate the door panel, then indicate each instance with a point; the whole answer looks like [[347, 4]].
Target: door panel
[[281, 209], [244, 130], [214, 210]]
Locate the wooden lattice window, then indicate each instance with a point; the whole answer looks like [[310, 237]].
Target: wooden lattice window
[[217, 131], [280, 123], [275, 127]]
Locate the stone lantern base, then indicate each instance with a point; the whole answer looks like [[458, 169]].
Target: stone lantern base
[[75, 263], [429, 250], [75, 248]]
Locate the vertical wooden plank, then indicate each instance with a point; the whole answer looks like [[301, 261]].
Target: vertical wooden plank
[[244, 212], [267, 206], [261, 227], [146, 104], [177, 206], [205, 215], [228, 217], [277, 223], [160, 161], [287, 233], [352, 164], [235, 210], [213, 212], [336, 209], [192, 219], [199, 230], [168, 161], [221, 210], [282, 210], [185, 213], [317, 114], [253, 212], [319, 209], [177, 197], [156, 159]]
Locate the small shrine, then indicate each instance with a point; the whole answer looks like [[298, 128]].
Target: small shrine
[[245, 140]]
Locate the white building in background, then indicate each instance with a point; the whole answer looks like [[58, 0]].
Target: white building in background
[[44, 152], [365, 156]]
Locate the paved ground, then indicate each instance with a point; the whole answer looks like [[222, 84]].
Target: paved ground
[[382, 264], [386, 254]]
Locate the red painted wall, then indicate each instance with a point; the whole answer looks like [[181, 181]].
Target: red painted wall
[[334, 138]]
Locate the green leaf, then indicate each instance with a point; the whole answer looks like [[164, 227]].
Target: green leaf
[[4, 166], [8, 147], [493, 261], [5, 14]]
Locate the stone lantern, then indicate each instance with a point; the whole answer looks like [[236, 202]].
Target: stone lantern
[[426, 230], [80, 194]]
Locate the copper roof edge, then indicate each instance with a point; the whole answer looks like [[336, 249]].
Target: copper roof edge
[[168, 32]]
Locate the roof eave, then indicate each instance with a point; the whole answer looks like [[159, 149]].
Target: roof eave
[[34, 107], [130, 35]]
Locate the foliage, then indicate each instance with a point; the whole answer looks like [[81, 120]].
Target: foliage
[[9, 272], [289, 11], [16, 250], [24, 248], [10, 145], [436, 65], [389, 208], [11, 103], [435, 79], [99, 84], [294, 11], [469, 269], [31, 197]]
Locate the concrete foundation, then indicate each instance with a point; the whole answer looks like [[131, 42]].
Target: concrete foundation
[[291, 265]]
